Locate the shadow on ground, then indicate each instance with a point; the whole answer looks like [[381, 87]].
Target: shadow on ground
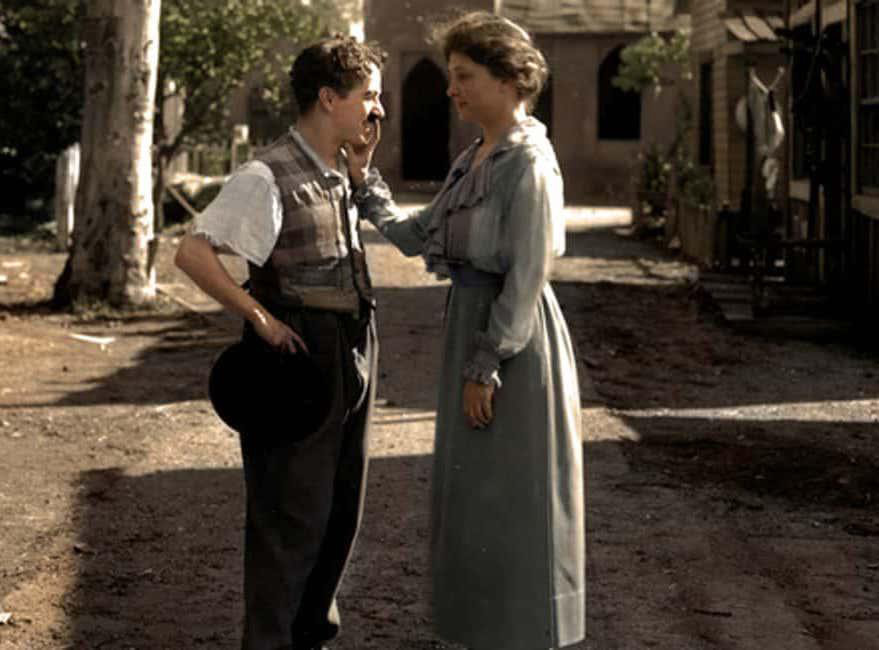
[[174, 579], [777, 459], [652, 338], [158, 554], [175, 367]]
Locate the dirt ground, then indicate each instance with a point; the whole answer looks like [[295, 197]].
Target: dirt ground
[[731, 479]]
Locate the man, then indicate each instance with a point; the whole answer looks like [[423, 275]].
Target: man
[[289, 214]]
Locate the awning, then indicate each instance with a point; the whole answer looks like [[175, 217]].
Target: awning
[[753, 27]]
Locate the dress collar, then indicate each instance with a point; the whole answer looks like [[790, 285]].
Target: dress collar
[[528, 131]]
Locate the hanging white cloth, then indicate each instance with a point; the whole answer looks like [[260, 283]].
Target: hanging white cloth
[[767, 124]]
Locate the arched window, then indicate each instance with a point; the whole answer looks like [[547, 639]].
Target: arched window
[[425, 122], [619, 111]]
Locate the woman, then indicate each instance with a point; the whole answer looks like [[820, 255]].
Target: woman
[[507, 545]]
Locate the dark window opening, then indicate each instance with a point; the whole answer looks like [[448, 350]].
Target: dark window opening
[[425, 123], [619, 111]]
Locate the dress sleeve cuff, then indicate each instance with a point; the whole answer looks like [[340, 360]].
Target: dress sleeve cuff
[[374, 189], [483, 368]]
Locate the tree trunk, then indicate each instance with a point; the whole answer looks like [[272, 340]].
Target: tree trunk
[[158, 143], [159, 191], [112, 259]]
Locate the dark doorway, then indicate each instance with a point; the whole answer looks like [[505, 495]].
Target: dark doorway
[[425, 123], [543, 107], [619, 111]]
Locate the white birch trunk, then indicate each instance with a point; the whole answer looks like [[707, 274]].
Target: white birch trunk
[[113, 242], [66, 181]]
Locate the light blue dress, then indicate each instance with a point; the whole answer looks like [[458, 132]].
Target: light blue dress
[[507, 538]]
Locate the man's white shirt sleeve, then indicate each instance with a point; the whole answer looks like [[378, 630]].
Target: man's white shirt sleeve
[[245, 217]]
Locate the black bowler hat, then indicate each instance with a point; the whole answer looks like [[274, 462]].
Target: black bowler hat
[[256, 389]]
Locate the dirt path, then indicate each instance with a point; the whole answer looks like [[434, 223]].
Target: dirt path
[[730, 480]]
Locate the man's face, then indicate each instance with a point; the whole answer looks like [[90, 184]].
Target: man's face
[[351, 113]]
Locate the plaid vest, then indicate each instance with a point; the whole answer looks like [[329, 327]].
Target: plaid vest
[[317, 261]]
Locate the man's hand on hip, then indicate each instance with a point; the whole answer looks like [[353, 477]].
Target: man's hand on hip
[[197, 257], [276, 333]]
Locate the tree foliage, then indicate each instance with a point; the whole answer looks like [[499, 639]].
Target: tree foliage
[[644, 63], [656, 61], [207, 47], [41, 82]]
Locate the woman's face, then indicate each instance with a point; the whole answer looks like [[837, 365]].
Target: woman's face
[[479, 96]]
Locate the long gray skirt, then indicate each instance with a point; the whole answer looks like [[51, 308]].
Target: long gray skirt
[[507, 539]]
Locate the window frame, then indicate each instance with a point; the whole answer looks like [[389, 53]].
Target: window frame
[[866, 135]]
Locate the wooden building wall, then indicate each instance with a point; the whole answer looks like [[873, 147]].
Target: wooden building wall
[[595, 170], [711, 42], [863, 263], [819, 266], [402, 30], [707, 40], [864, 267], [708, 30]]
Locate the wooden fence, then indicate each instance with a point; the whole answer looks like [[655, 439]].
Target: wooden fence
[[215, 159], [702, 232]]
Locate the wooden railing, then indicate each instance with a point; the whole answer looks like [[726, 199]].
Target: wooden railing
[[215, 159]]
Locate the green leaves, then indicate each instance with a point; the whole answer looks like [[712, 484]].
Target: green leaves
[[208, 48], [41, 79], [645, 62]]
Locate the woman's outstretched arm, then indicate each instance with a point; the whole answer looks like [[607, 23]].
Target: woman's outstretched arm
[[374, 200]]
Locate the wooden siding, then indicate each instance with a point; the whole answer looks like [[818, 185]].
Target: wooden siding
[[863, 263], [710, 41], [854, 94], [722, 112], [592, 16], [708, 37], [709, 32], [736, 86]]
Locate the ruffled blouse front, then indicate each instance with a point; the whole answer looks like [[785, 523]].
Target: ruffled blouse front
[[447, 233], [504, 216]]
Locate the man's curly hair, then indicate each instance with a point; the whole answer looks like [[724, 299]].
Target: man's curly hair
[[339, 62]]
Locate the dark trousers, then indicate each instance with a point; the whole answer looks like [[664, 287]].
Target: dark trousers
[[305, 498]]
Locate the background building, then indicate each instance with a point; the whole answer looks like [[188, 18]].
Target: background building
[[597, 129]]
